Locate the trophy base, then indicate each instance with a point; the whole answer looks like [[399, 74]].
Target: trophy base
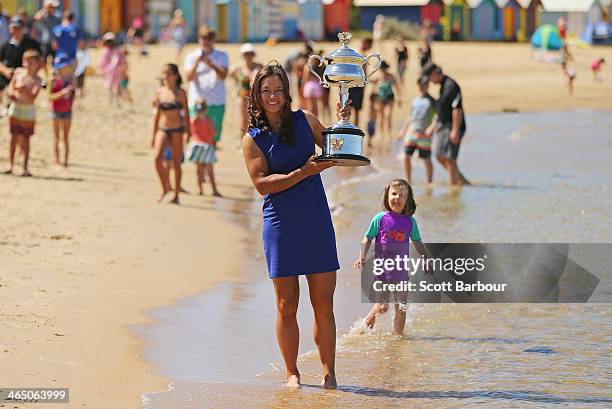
[[344, 159]]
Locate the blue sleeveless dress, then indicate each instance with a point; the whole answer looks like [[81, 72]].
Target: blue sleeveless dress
[[298, 233]]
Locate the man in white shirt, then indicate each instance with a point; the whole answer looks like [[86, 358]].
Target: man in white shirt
[[206, 69]]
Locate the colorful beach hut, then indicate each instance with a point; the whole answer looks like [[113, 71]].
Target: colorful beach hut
[[530, 16], [133, 9], [310, 20], [290, 11], [406, 10], [578, 14], [432, 11], [509, 19], [336, 17], [485, 20], [456, 20], [160, 13]]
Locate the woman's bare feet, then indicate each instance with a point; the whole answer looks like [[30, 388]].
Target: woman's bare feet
[[293, 381], [26, 173], [217, 194], [161, 197], [329, 382], [8, 171], [175, 200]]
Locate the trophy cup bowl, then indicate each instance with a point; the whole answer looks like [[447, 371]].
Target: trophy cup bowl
[[343, 141]]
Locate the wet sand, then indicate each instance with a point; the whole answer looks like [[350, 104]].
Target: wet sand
[[85, 251]]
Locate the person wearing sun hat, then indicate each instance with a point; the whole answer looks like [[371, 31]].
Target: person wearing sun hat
[[206, 69], [243, 74], [48, 17], [61, 96]]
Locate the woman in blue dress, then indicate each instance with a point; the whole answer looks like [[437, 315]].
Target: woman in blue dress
[[298, 234]]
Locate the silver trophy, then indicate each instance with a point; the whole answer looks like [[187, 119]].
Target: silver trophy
[[343, 141]]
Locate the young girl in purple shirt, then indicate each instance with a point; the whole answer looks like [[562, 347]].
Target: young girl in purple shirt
[[392, 230]]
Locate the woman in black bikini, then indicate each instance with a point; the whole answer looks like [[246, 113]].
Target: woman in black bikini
[[170, 128]]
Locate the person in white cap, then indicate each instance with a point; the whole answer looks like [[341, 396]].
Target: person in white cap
[[47, 18], [243, 74]]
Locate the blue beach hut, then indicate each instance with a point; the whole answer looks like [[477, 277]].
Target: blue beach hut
[[310, 20], [485, 20]]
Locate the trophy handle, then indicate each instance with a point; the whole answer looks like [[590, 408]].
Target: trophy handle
[[375, 68], [321, 61]]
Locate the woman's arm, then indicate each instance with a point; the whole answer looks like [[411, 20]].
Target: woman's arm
[[317, 127], [155, 118], [186, 119], [264, 183]]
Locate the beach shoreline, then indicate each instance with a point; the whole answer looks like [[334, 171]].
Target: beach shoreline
[[86, 252]]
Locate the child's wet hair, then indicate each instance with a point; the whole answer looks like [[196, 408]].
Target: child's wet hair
[[410, 207]]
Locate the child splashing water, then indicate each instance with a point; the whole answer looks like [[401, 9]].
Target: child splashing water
[[417, 130], [392, 229]]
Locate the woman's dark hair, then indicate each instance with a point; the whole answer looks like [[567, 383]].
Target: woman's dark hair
[[174, 70], [410, 203], [257, 116]]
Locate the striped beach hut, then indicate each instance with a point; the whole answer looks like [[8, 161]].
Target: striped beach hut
[[509, 19], [578, 14], [336, 17], [310, 20], [455, 21], [485, 20]]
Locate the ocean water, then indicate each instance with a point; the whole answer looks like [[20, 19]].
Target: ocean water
[[541, 177]]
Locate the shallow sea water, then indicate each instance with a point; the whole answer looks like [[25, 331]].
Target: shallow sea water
[[536, 178]]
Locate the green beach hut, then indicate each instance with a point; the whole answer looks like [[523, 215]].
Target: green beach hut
[[456, 20]]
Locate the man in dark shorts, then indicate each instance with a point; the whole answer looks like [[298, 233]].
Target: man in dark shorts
[[11, 52], [451, 122]]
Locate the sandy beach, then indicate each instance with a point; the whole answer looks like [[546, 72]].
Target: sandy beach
[[86, 251]]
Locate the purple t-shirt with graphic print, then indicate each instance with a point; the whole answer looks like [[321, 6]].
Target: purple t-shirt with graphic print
[[392, 233]]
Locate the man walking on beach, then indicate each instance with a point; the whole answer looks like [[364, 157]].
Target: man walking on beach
[[206, 70], [450, 127], [48, 17], [11, 53], [66, 37]]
